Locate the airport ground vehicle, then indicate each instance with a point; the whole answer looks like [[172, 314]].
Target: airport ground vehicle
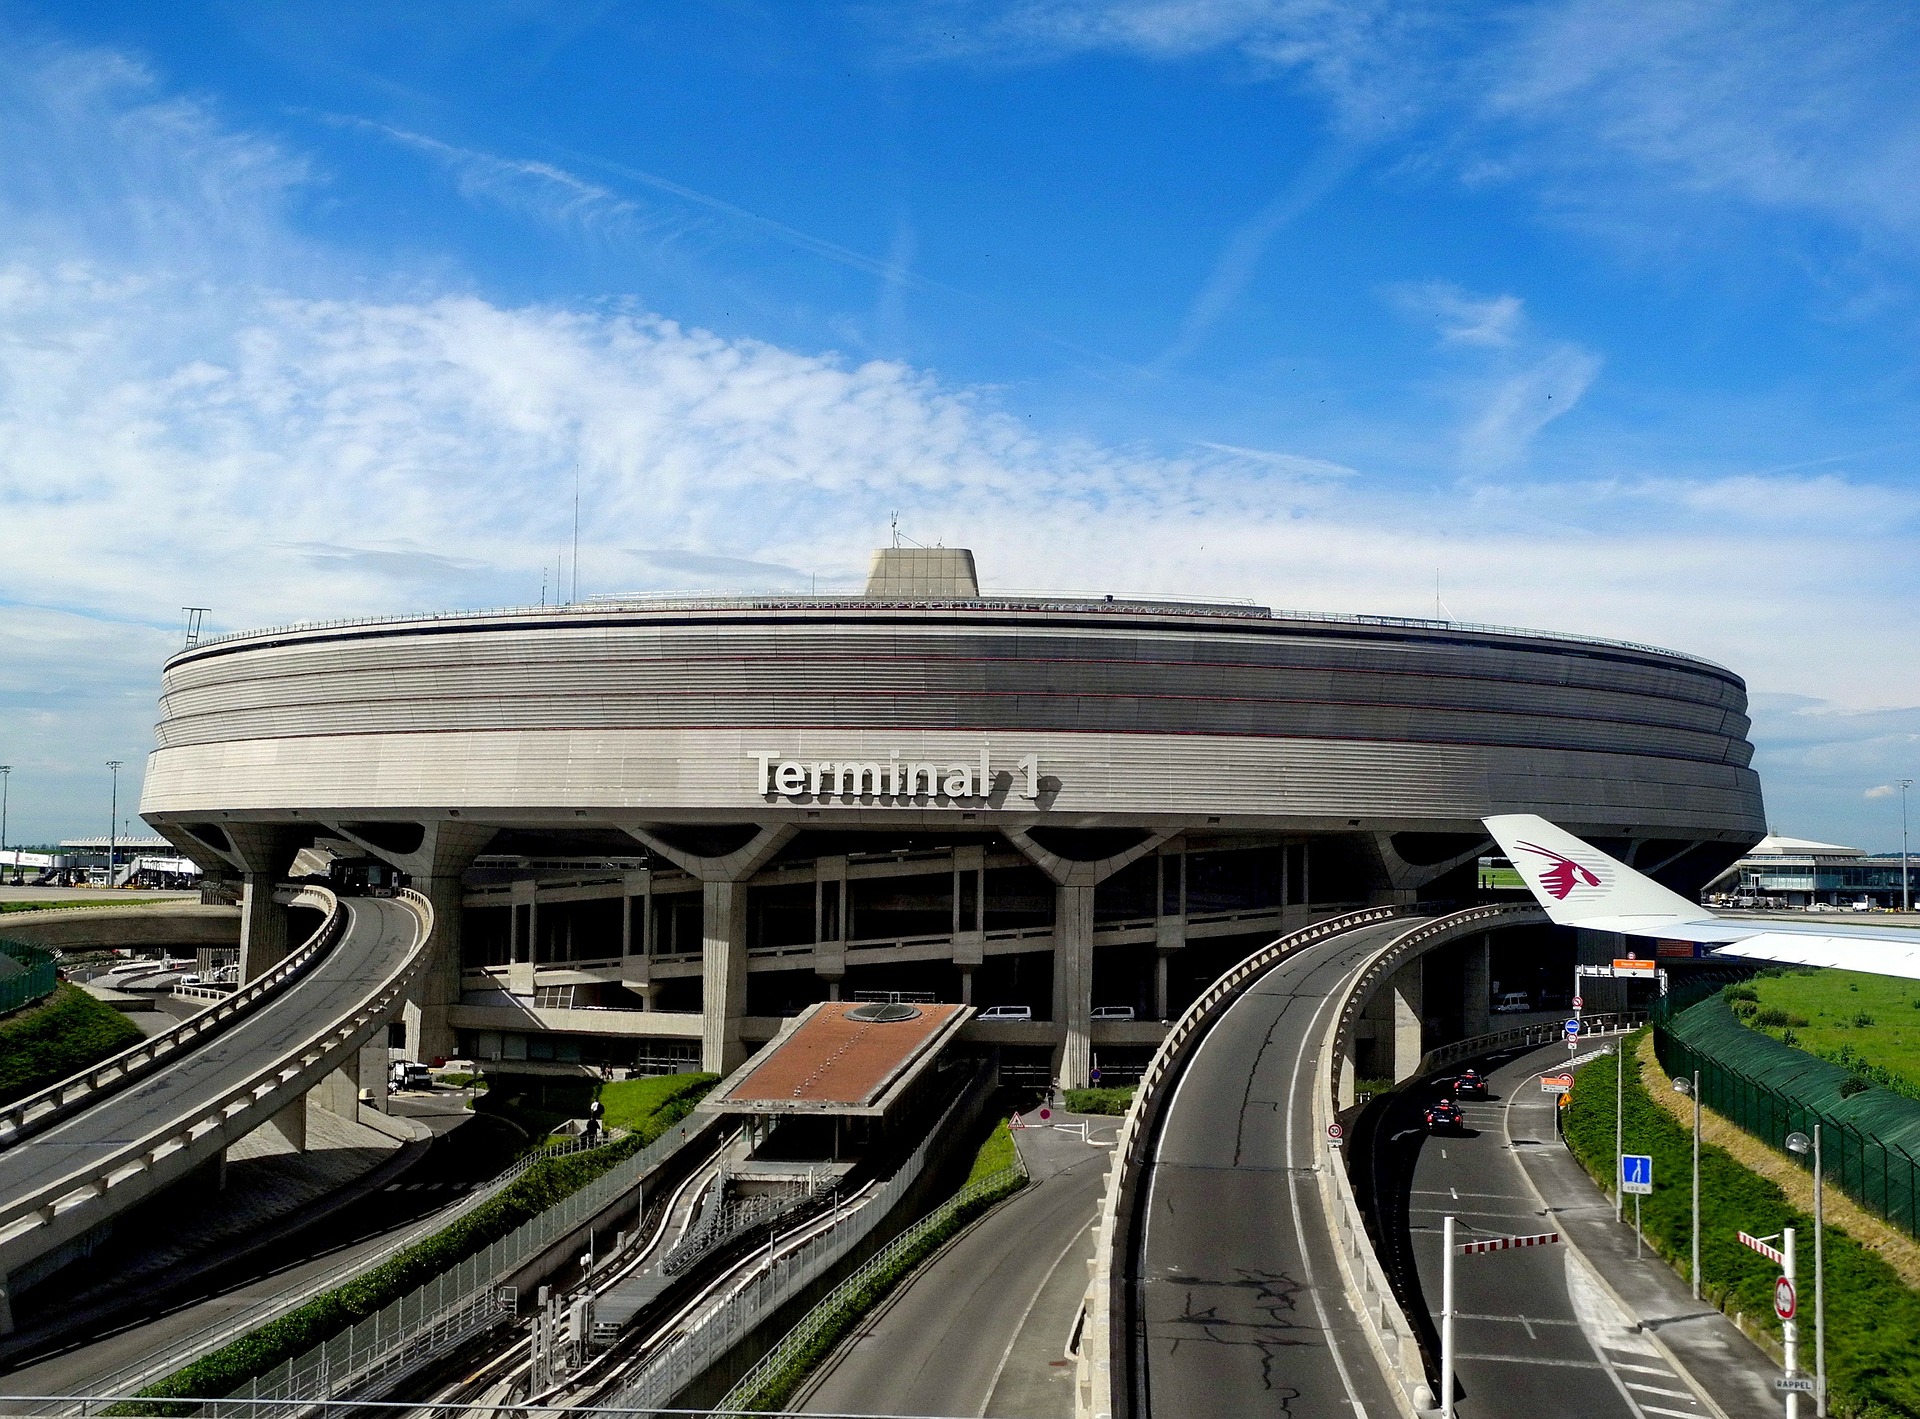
[[1514, 1002], [1113, 1012], [1006, 1012]]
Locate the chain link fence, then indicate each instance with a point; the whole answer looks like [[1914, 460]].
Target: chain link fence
[[1871, 1168], [35, 978]]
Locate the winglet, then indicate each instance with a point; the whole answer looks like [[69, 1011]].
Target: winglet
[[1577, 883]]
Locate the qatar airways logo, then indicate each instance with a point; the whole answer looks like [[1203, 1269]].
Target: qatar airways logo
[[1564, 874]]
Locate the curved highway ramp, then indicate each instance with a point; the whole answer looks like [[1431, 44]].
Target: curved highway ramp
[[56, 1187]]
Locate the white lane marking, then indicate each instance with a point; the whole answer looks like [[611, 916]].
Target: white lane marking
[[1299, 1222], [1536, 1360], [1005, 1355], [1655, 1389], [1675, 1413], [1456, 1193], [1659, 1370]]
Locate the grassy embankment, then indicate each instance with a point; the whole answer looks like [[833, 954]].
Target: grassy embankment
[[995, 1155], [1099, 1101], [537, 1107], [542, 1186], [1868, 1024], [69, 1030], [1873, 1318]]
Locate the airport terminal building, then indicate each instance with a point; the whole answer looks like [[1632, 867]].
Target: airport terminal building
[[653, 828]]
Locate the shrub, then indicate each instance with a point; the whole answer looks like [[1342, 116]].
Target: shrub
[[1099, 1101], [62, 1035], [1747, 992], [1873, 1369], [543, 1185]]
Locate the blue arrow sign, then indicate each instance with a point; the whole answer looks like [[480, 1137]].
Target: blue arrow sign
[[1573, 1027], [1636, 1172]]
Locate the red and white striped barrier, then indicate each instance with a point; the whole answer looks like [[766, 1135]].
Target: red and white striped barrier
[[1540, 1239]]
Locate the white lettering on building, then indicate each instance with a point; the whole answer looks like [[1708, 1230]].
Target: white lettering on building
[[899, 779]]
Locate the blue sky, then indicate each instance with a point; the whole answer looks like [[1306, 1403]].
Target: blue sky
[[1603, 312]]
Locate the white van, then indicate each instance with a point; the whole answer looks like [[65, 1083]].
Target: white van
[[1113, 1012], [1006, 1012], [1514, 1002]]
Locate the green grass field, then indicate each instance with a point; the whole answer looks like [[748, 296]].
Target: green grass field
[[62, 1035], [1502, 877], [1877, 1017]]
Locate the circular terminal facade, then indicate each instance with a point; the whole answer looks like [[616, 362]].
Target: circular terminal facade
[[652, 828]]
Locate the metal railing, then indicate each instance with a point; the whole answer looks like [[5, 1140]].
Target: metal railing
[[1611, 1022], [36, 977], [85, 1193], [46, 1107], [454, 1305], [834, 1309], [1094, 1379], [186, 1349], [706, 1339]]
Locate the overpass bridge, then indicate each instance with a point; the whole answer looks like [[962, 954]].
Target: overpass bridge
[[115, 1135]]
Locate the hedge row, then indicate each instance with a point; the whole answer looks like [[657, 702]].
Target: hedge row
[[1099, 1101], [850, 1308], [542, 1186], [62, 1035], [1873, 1368]]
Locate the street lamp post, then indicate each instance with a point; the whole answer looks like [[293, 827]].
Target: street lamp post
[[1906, 895], [1619, 1125], [113, 819], [6, 774], [1800, 1143], [1693, 1092]]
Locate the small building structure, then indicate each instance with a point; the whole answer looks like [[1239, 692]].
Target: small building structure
[[1796, 872]]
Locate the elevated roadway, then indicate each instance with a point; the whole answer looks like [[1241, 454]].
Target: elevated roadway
[[1234, 1279], [59, 1185]]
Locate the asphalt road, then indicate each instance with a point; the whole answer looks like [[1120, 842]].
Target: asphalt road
[[379, 935], [983, 1326], [1535, 1330], [1243, 1305]]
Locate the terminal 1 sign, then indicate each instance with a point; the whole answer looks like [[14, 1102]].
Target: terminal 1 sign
[[899, 779]]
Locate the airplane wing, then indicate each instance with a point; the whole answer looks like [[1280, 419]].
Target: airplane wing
[[1578, 885]]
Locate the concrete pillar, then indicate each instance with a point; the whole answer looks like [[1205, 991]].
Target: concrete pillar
[[520, 941], [829, 922], [723, 968], [1073, 982], [339, 1092], [373, 1067], [966, 985], [1476, 990], [1408, 989], [263, 926], [291, 1124], [1348, 1075], [437, 988], [1160, 984]]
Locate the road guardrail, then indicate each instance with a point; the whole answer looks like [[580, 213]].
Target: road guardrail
[[41, 1110]]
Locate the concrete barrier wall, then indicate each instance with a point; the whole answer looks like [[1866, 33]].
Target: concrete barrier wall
[[152, 924]]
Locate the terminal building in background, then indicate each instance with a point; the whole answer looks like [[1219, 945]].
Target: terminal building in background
[[653, 828], [1793, 872]]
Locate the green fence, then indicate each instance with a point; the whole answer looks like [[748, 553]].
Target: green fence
[[34, 979], [1869, 1136]]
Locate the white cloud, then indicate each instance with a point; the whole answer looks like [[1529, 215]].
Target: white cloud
[[1881, 790]]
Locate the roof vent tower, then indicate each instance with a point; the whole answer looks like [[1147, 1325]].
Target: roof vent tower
[[922, 574]]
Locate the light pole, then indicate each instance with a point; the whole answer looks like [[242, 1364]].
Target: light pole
[[113, 819], [1906, 895], [1799, 1143], [1446, 1321], [6, 774], [1619, 1126], [1693, 1091]]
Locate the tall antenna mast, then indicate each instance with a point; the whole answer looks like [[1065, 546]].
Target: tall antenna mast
[[894, 522], [576, 533]]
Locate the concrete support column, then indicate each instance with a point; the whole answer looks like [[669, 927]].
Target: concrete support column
[[1476, 990], [1073, 981], [1348, 1071], [437, 989], [1408, 990], [723, 945], [373, 1067], [291, 1124], [1160, 984], [520, 942], [339, 1092], [829, 922], [263, 926]]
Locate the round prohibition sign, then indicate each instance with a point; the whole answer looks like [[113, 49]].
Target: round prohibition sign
[[1336, 1132], [1785, 1302]]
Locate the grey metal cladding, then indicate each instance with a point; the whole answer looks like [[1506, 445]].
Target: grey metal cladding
[[1253, 678]]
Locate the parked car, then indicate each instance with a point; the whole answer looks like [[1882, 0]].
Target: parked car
[[1113, 1012], [1514, 1002], [1470, 1085], [1006, 1012], [408, 1075], [1444, 1116]]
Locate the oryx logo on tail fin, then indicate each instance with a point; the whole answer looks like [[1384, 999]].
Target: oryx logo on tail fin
[[1565, 874]]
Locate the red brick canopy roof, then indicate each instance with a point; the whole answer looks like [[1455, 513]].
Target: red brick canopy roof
[[830, 1059]]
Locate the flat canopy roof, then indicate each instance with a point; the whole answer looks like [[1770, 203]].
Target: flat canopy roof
[[833, 1061]]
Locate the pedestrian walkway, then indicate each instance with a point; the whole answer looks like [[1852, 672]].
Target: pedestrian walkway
[[1656, 1323]]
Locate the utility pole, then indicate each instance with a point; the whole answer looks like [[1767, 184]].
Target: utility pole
[[113, 818], [1693, 1090], [1619, 1126], [6, 773]]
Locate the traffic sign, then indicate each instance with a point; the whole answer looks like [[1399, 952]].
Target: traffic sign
[[1636, 1172], [1785, 1302], [1045, 1114], [1336, 1132], [1578, 1002], [1555, 1083], [1795, 1383], [1634, 967], [1094, 1074], [1573, 1027]]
